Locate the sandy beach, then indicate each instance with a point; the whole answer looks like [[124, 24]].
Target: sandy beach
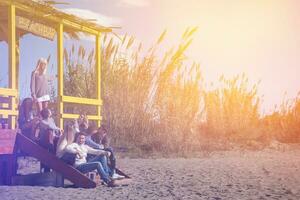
[[266, 174]]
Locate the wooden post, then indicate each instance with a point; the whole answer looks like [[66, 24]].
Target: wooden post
[[17, 60], [60, 73], [12, 59], [98, 75]]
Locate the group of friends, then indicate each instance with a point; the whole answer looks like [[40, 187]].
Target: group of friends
[[81, 144]]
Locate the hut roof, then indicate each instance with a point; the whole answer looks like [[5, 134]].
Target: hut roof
[[45, 14]]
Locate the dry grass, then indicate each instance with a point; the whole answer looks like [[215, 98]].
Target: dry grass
[[284, 123], [232, 111], [155, 103]]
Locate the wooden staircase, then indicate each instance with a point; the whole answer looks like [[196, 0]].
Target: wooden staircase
[[67, 171]]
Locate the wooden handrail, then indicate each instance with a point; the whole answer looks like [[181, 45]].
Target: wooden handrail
[[8, 92], [80, 100], [75, 116], [9, 112]]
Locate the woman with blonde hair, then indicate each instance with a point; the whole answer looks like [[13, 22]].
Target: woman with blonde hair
[[39, 85], [66, 139]]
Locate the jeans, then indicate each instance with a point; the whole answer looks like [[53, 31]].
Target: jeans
[[109, 169], [90, 166], [103, 160]]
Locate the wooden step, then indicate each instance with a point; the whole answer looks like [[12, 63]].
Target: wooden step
[[39, 179]]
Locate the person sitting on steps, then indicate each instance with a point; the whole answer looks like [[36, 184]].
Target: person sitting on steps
[[98, 138], [97, 163], [27, 121], [89, 130], [66, 139], [48, 133]]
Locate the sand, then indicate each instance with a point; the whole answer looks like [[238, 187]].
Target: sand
[[266, 174]]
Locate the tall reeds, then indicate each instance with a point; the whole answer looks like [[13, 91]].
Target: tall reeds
[[284, 123], [150, 101], [232, 111], [160, 103]]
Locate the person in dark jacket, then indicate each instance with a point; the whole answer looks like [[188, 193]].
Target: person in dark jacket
[[26, 120], [49, 133], [99, 139]]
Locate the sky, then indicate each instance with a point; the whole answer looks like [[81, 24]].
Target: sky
[[260, 38]]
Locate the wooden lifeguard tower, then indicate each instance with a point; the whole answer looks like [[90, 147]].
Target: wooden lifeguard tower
[[43, 20], [40, 18]]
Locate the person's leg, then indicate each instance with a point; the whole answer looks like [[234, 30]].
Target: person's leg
[[49, 148], [90, 166], [103, 160], [68, 158], [55, 142], [90, 157], [39, 108], [44, 142], [112, 159], [50, 136]]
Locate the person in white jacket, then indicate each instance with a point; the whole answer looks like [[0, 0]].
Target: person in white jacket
[[66, 139], [99, 163]]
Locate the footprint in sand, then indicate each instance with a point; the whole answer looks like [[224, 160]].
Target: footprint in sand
[[265, 171]]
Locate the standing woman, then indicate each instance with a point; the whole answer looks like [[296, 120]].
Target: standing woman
[[39, 85]]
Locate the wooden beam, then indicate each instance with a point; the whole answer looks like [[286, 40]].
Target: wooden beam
[[98, 75], [12, 45], [60, 72], [9, 112], [80, 100], [8, 92], [17, 61], [58, 19], [12, 58], [79, 27], [75, 116]]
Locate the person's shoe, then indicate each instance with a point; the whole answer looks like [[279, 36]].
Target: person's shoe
[[116, 176]]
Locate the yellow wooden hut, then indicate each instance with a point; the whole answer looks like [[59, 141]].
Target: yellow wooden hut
[[18, 18], [42, 19]]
